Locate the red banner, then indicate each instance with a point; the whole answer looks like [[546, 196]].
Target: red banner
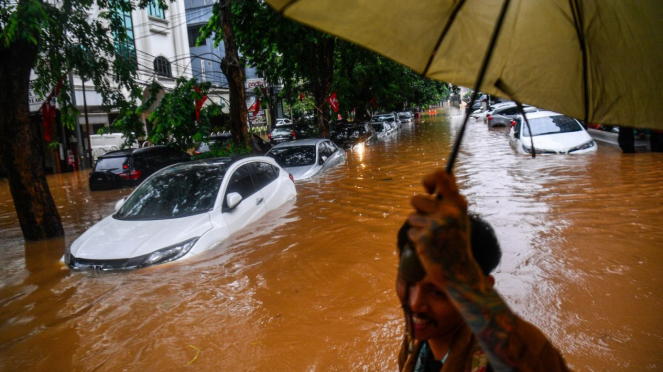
[[255, 107], [333, 102], [199, 103], [48, 110], [301, 97]]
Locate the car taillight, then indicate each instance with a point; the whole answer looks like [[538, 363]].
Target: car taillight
[[132, 175], [125, 166], [490, 118], [291, 177], [269, 137], [294, 135], [513, 122]]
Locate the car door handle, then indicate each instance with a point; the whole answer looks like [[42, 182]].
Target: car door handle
[[259, 200]]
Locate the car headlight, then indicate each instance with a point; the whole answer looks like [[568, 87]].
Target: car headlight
[[584, 146], [169, 253]]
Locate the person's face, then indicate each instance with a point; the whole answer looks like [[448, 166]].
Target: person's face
[[433, 314]]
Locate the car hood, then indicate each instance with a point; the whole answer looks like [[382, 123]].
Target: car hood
[[113, 239], [558, 142], [302, 172]]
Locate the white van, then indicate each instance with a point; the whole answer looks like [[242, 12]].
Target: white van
[[103, 143]]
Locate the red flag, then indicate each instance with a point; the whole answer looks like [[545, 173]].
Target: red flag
[[255, 107], [373, 103], [301, 97], [333, 102], [48, 110], [199, 103]]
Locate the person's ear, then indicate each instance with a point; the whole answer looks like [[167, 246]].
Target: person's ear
[[491, 280]]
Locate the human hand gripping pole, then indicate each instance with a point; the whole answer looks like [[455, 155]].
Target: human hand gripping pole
[[439, 247]]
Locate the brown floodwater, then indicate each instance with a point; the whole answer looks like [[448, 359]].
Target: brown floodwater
[[310, 287]]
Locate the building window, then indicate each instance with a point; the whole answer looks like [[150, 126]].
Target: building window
[[154, 10], [194, 33], [127, 47], [162, 67]]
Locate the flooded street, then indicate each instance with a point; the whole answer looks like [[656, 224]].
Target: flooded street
[[311, 287]]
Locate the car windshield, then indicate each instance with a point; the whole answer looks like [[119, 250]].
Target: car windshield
[[282, 130], [177, 192], [552, 125], [346, 132], [104, 164], [383, 118], [378, 127], [293, 156]]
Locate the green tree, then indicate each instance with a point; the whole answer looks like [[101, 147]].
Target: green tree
[[53, 40], [221, 25], [300, 58], [174, 119]]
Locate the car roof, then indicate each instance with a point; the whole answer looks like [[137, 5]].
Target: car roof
[[541, 114], [304, 142], [127, 152]]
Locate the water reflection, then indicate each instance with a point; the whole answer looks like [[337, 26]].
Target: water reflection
[[311, 285]]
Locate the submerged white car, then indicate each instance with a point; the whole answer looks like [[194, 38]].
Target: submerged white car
[[181, 211], [307, 158], [552, 133]]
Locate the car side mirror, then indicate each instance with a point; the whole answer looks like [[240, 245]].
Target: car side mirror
[[323, 159], [233, 199], [119, 204]]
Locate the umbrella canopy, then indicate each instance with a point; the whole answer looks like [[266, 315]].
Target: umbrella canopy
[[596, 60]]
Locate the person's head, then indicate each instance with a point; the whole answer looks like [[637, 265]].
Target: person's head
[[434, 315]]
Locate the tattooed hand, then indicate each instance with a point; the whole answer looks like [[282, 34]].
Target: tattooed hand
[[440, 232]]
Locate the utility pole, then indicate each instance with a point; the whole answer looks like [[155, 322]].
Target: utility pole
[[87, 128]]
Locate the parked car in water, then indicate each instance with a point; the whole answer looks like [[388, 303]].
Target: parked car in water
[[405, 117], [181, 211], [216, 140], [307, 158], [552, 133], [286, 133], [353, 135], [503, 117], [483, 115], [283, 121], [389, 117], [129, 167], [383, 129]]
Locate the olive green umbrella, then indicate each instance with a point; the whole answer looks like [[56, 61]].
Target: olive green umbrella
[[596, 60]]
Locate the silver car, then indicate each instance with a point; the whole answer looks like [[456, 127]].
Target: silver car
[[307, 158]]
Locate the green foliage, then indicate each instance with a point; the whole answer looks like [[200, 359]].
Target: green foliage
[[231, 149], [68, 39], [174, 120]]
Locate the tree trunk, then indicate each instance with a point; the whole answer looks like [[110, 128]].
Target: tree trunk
[[21, 151], [233, 70], [322, 75]]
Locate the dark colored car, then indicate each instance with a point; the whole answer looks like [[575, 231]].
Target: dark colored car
[[350, 135], [285, 133], [129, 167]]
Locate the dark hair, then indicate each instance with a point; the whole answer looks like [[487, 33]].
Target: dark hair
[[485, 247]]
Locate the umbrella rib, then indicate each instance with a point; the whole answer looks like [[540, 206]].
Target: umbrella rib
[[447, 26], [479, 81], [288, 5], [578, 22]]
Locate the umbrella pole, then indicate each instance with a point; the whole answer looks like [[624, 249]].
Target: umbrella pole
[[477, 85]]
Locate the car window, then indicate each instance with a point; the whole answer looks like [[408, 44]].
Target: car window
[[331, 146], [178, 192], [155, 158], [104, 164], [510, 111], [325, 150], [263, 174], [282, 131], [241, 183], [378, 127], [293, 156], [552, 125]]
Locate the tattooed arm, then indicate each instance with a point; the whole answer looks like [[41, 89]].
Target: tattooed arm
[[440, 232]]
